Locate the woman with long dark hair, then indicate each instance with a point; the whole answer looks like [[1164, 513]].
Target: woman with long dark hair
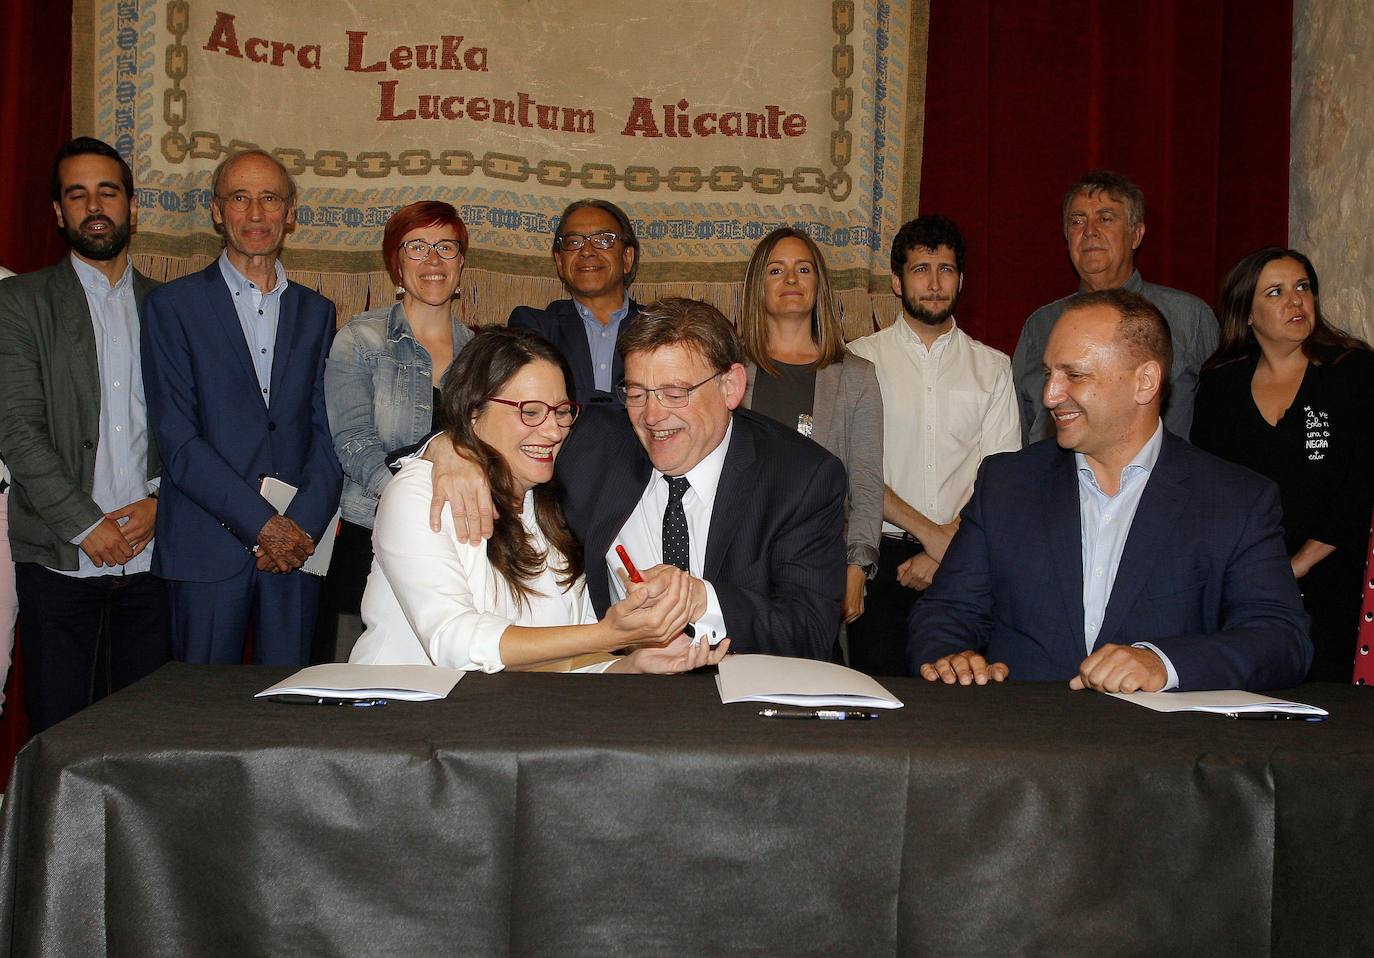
[[1292, 398], [802, 375], [518, 600]]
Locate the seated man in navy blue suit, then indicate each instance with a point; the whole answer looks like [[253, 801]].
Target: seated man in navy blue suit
[[596, 254], [233, 361], [1118, 558]]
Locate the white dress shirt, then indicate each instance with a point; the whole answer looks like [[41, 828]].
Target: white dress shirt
[[1106, 524], [642, 534], [432, 600], [121, 454], [944, 409]]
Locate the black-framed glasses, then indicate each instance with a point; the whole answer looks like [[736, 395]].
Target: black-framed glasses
[[241, 201], [418, 249], [533, 412], [572, 242], [672, 397]]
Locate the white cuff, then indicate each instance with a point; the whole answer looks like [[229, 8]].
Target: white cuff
[[1170, 685]]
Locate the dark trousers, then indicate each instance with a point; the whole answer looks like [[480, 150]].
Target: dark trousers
[[86, 637], [877, 639], [342, 592], [210, 620]]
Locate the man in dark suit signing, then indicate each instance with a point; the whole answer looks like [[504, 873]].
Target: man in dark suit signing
[[1118, 558], [683, 477], [234, 362], [596, 254]]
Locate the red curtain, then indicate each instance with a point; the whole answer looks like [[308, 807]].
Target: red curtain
[[1189, 99]]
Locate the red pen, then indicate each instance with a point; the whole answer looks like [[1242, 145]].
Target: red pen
[[629, 566], [636, 577]]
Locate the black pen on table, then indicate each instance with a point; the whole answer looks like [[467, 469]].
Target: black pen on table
[[325, 700], [1276, 716], [825, 715], [634, 575]]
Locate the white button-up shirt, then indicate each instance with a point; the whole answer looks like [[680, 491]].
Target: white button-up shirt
[[642, 534], [944, 409]]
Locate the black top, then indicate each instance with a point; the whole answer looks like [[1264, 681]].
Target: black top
[[788, 396], [1321, 452]]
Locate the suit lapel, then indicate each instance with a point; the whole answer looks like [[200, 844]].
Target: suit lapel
[[78, 328], [287, 334], [628, 470], [222, 305], [575, 349], [1063, 525], [618, 363], [732, 497], [823, 406], [1159, 512]]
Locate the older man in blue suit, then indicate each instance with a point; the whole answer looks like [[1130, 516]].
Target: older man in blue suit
[[1118, 558], [233, 360]]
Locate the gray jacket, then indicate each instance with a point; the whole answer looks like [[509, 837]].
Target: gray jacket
[[847, 419], [50, 394]]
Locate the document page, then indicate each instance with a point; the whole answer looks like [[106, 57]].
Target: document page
[[806, 682], [405, 683]]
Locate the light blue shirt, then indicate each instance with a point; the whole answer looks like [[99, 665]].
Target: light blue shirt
[[1106, 523], [257, 312], [601, 341], [121, 455]]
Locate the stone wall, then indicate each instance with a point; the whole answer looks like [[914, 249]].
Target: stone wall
[[1331, 184]]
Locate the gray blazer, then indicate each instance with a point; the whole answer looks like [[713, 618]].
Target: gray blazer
[[847, 419], [50, 394]]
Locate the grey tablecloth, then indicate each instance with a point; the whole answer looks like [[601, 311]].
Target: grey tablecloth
[[610, 815]]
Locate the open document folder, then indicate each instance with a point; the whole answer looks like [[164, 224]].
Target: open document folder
[[1222, 702], [404, 683], [806, 682]]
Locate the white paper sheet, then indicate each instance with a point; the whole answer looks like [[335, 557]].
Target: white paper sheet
[[1218, 702], [805, 682], [405, 683]]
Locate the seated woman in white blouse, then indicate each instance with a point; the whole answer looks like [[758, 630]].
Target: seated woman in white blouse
[[517, 601]]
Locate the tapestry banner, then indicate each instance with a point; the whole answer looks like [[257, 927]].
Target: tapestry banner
[[709, 121]]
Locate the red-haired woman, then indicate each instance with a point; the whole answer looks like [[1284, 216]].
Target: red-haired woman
[[382, 383]]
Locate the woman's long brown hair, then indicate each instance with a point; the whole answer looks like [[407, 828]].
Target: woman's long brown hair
[[490, 360]]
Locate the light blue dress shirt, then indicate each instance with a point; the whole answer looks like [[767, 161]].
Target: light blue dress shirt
[[1106, 523], [121, 456], [257, 312], [601, 341]]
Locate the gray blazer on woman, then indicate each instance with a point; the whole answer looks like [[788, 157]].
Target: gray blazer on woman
[[847, 419]]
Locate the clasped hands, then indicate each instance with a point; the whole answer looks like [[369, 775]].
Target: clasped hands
[[1111, 668], [283, 546], [651, 618], [121, 534]]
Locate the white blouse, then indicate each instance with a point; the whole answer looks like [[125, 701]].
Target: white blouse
[[431, 600]]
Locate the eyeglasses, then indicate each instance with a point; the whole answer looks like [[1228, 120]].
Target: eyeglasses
[[533, 412], [418, 249], [242, 201], [672, 397], [571, 242]]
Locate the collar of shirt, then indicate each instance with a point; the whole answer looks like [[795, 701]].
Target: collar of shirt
[[96, 283], [238, 283], [397, 326], [704, 477], [617, 315], [1140, 465], [917, 346]]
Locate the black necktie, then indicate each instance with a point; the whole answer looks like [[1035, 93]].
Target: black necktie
[[676, 543]]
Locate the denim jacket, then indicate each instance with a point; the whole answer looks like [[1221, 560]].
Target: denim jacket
[[379, 390]]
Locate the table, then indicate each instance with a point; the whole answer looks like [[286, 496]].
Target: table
[[544, 814]]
